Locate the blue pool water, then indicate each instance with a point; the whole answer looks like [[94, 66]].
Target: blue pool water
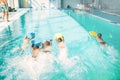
[[86, 60], [109, 31]]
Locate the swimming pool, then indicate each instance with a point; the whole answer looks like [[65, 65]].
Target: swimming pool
[[90, 22], [87, 60]]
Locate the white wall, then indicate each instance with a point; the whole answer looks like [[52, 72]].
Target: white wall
[[10, 3], [44, 3], [55, 3], [111, 4], [72, 3], [16, 5], [40, 3], [108, 5], [13, 3]]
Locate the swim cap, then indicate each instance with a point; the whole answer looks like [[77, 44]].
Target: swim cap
[[37, 42], [30, 35], [93, 33], [58, 35]]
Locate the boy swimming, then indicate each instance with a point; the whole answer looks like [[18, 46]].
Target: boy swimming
[[100, 40], [36, 47], [61, 45], [60, 40], [47, 45]]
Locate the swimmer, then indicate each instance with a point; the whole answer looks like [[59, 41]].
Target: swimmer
[[60, 40], [26, 40], [61, 45], [100, 40], [47, 46], [63, 52], [46, 54], [36, 47]]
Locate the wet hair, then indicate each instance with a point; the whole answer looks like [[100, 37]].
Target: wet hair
[[34, 46], [47, 43], [99, 35], [60, 39]]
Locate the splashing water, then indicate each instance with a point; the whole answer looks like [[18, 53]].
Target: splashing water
[[83, 58]]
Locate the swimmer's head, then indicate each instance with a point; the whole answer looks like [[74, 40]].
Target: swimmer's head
[[47, 41], [30, 35], [99, 35], [59, 38], [36, 44]]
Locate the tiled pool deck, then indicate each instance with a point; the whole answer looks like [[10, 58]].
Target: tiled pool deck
[[12, 17]]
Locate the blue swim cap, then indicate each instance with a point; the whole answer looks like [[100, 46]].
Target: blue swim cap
[[37, 42], [30, 35]]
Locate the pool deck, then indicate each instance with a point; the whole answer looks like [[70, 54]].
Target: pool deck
[[110, 17], [12, 17]]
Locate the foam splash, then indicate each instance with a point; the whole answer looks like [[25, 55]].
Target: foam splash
[[64, 60], [27, 66], [75, 67]]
